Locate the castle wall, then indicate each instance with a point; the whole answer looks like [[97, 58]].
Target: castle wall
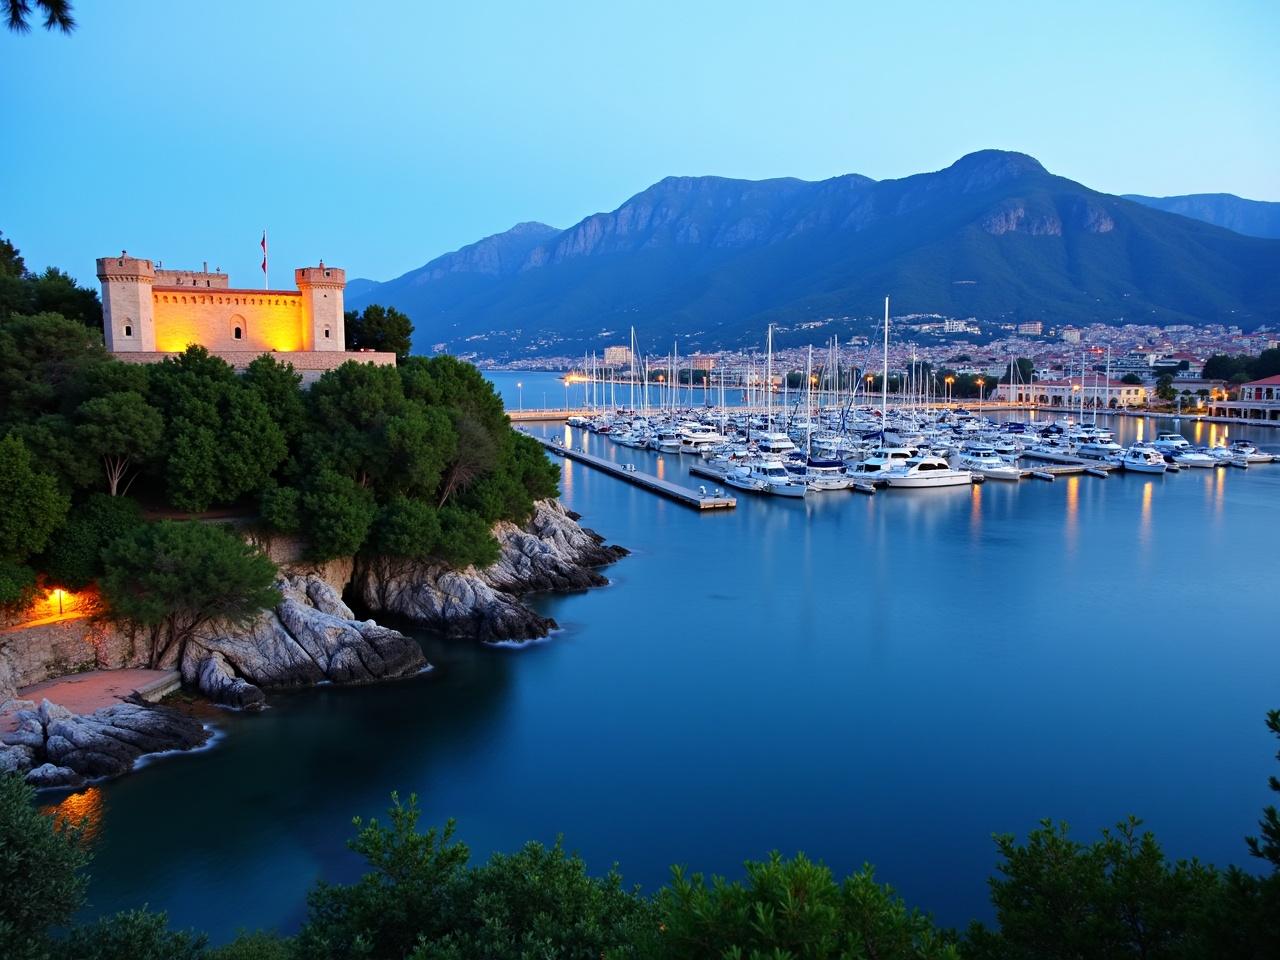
[[267, 319]]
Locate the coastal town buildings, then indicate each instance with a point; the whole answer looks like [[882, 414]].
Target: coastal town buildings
[[149, 313], [1257, 400], [1095, 391]]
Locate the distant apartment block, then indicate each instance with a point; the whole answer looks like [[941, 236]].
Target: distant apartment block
[[617, 357], [1032, 328]]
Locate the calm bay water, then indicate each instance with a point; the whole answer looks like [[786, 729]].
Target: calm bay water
[[887, 679]]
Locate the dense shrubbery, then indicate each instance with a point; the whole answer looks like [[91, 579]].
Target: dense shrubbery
[[1055, 898], [417, 460], [1242, 368]]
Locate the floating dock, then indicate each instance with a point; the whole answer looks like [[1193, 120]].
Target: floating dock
[[672, 491]]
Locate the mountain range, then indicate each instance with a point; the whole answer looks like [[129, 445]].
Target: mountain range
[[1253, 218], [712, 261]]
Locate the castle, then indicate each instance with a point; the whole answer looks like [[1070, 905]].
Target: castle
[[149, 314]]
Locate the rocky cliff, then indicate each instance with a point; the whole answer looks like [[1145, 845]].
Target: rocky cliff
[[550, 552], [310, 637]]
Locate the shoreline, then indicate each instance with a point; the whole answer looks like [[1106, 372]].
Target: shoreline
[[55, 732]]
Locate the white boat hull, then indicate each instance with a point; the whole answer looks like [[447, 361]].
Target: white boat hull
[[920, 482]]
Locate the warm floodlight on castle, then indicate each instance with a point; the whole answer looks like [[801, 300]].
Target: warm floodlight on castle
[[149, 313]]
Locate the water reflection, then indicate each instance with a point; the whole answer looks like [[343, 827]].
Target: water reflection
[[975, 512], [1073, 512], [83, 808], [1144, 526]]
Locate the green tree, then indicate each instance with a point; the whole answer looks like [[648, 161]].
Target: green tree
[[1165, 389], [220, 441], [56, 292], [41, 885], [1222, 366], [123, 431], [407, 528], [1267, 847], [379, 328], [465, 539], [1266, 365], [791, 908], [57, 15], [174, 578], [1132, 379], [539, 902], [404, 895], [278, 386], [31, 508], [1117, 897], [132, 935], [46, 361], [1021, 369], [75, 556], [337, 514]]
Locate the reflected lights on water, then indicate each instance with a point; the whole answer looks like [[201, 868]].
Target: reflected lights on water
[[84, 807]]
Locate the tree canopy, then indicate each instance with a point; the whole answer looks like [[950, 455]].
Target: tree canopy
[[379, 328]]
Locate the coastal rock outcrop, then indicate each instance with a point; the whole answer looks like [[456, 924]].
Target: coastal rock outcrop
[[549, 552], [310, 637], [53, 747]]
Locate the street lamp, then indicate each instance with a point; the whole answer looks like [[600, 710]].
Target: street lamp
[[520, 394], [949, 381], [981, 382]]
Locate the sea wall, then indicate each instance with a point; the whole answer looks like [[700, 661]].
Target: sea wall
[[34, 652]]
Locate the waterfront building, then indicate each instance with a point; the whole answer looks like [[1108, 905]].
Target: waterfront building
[[1258, 400], [1097, 391], [149, 313], [617, 357]]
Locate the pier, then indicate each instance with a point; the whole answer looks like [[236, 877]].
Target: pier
[[672, 491]]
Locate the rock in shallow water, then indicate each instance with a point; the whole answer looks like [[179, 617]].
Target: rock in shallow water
[[55, 747]]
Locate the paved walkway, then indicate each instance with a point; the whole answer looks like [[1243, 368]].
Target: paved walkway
[[87, 692]]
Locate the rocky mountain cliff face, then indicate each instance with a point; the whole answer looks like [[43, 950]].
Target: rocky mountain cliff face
[[713, 260]]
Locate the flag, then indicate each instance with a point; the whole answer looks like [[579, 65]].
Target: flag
[[264, 253]]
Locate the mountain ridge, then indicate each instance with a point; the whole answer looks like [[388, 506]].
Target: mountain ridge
[[994, 235], [1253, 218]]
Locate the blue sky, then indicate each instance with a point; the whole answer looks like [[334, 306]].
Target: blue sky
[[380, 135]]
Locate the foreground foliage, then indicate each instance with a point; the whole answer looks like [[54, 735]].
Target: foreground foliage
[[1055, 898]]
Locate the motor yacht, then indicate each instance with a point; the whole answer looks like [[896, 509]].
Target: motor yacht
[[777, 480], [1194, 458], [1249, 453], [927, 471], [773, 444], [877, 464], [1170, 442], [1141, 458], [984, 460]]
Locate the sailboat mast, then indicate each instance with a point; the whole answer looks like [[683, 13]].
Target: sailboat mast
[[884, 386]]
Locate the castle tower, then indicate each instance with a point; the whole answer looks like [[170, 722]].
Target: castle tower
[[128, 323], [321, 289]]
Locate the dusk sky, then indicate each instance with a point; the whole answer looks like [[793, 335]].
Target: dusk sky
[[378, 136]]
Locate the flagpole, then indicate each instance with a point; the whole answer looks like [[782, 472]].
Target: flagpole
[[266, 284]]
